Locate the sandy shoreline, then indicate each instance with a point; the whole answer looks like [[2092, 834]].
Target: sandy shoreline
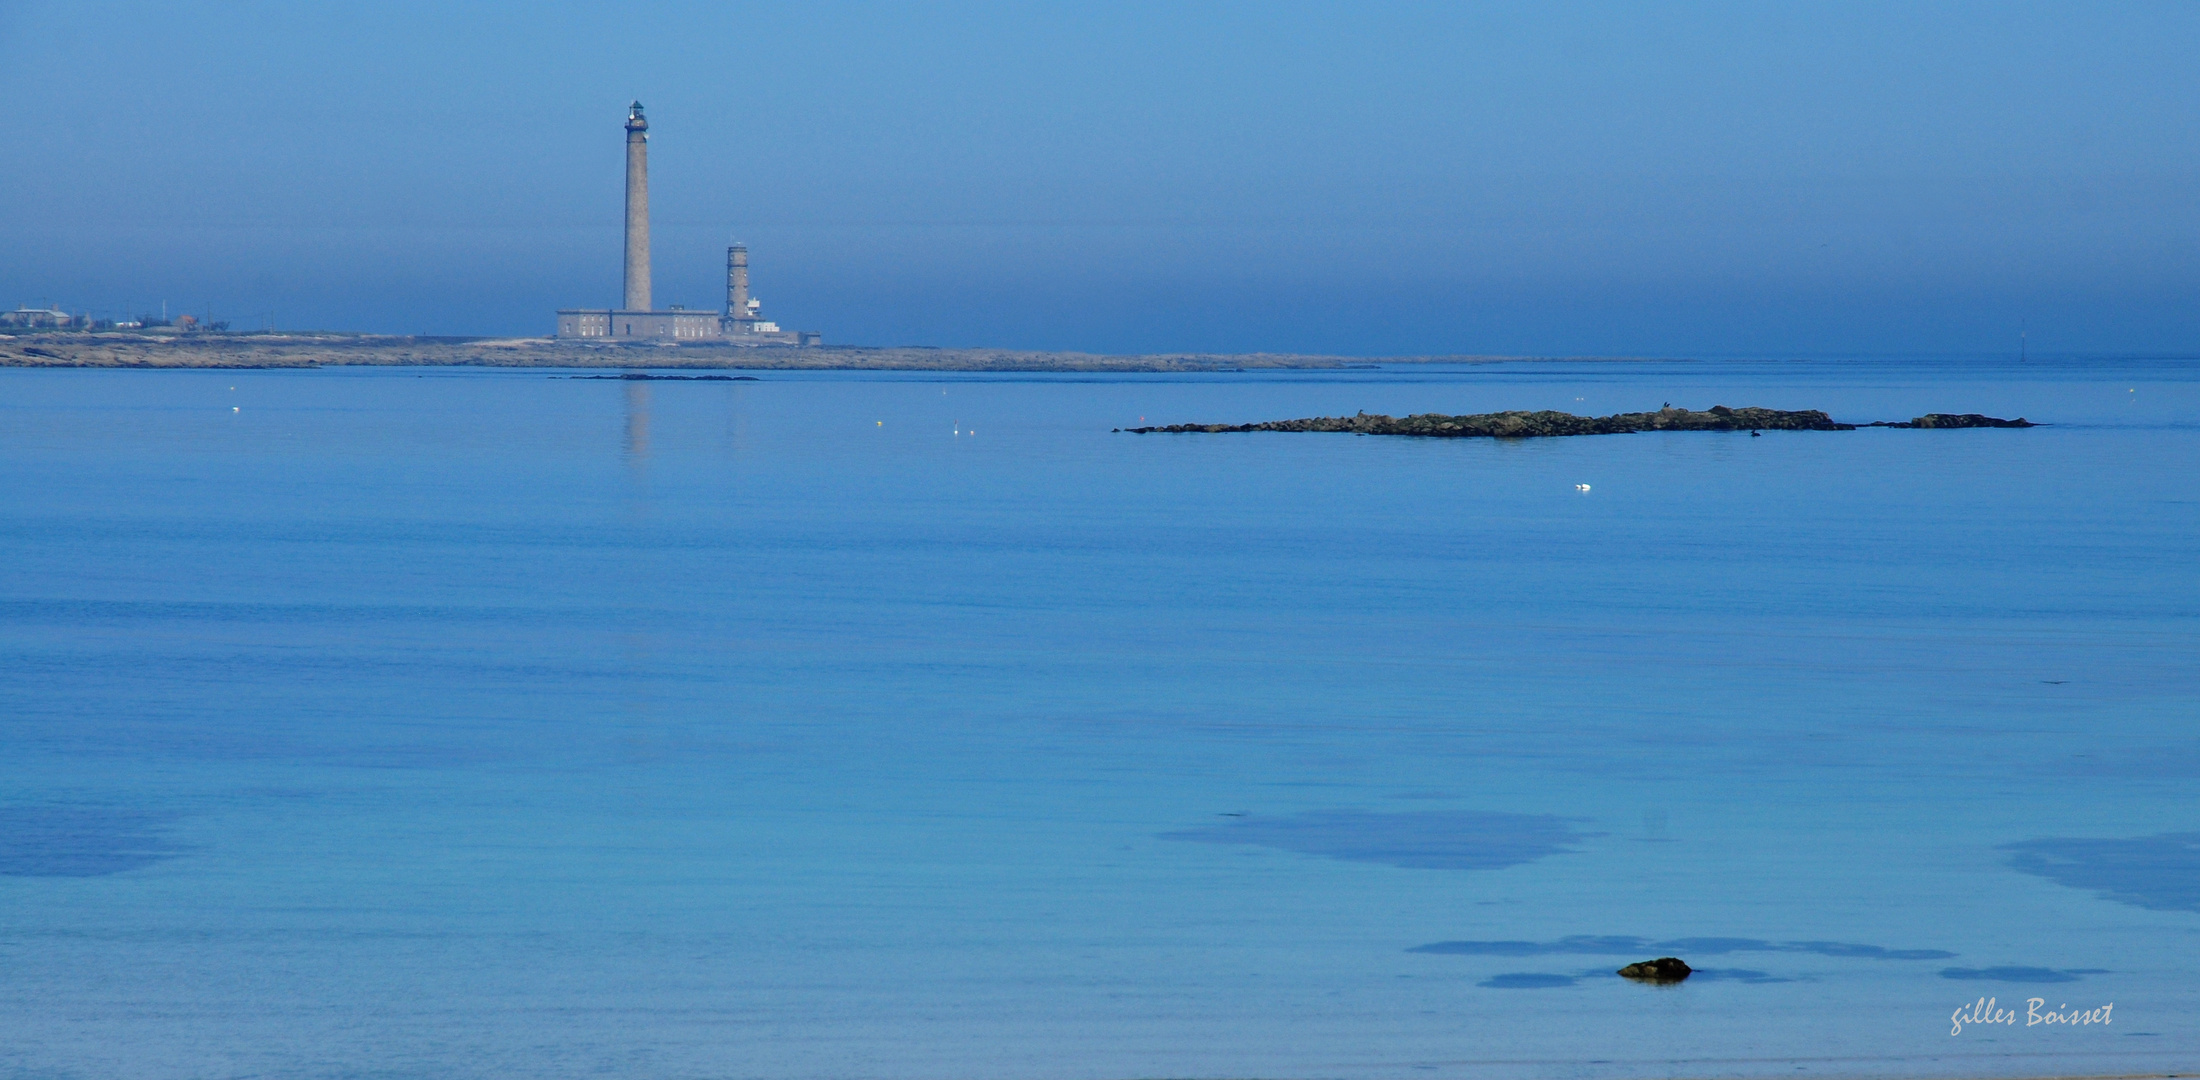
[[126, 350]]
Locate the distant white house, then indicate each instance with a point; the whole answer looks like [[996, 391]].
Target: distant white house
[[47, 318]]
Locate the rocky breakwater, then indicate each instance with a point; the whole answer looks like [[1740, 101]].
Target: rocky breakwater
[[1546, 423]]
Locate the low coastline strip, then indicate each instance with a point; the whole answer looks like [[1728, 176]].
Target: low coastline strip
[[312, 350], [1520, 424]]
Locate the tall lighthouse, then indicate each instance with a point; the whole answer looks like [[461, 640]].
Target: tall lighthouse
[[637, 209]]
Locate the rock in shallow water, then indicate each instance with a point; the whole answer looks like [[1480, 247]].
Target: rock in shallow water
[[1956, 420], [1530, 425], [1664, 969]]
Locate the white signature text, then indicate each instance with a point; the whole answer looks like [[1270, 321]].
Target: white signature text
[[1985, 1011]]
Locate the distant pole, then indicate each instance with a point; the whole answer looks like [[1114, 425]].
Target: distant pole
[[637, 209]]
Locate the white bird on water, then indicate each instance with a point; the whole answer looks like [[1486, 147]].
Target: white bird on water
[[1581, 488]]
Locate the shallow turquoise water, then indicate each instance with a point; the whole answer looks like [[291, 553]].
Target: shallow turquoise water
[[481, 723]]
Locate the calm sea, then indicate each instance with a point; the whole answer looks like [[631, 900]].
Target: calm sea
[[468, 723]]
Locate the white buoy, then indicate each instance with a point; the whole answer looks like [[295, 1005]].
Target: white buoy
[[236, 408]]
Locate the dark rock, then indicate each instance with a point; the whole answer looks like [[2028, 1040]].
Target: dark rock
[[1955, 420], [635, 376], [1664, 969], [1544, 424], [1530, 425]]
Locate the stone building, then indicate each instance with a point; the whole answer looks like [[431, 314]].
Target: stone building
[[39, 318]]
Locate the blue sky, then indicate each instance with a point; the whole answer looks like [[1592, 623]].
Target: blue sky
[[1554, 179]]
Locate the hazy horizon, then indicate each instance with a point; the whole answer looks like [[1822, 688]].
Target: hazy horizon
[[1581, 179]]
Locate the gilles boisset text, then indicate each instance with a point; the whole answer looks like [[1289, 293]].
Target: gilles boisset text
[[1983, 1011]]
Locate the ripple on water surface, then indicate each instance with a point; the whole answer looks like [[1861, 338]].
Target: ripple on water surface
[[79, 841], [2160, 873], [1429, 839]]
